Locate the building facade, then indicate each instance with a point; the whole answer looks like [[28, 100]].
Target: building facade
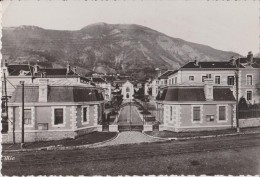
[[196, 108], [128, 90], [247, 70], [53, 111]]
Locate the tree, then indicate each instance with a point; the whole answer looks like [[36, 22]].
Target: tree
[[242, 104]]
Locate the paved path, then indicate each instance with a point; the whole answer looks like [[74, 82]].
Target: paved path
[[129, 137], [125, 116]]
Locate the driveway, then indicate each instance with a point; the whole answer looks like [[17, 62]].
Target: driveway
[[130, 137], [129, 114]]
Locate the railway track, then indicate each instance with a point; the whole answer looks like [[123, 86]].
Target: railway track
[[102, 154]]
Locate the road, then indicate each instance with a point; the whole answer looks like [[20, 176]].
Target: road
[[125, 116], [236, 155]]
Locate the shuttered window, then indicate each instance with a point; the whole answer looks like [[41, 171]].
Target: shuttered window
[[249, 80], [170, 113], [196, 113], [222, 113], [217, 79], [58, 116], [230, 80], [85, 112], [27, 116], [249, 95]]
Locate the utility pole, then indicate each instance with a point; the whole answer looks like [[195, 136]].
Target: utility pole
[[6, 99], [237, 95], [130, 114], [6, 107], [22, 143]]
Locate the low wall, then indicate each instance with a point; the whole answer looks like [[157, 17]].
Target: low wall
[[113, 128], [86, 131], [40, 136], [162, 127], [191, 129], [148, 128], [202, 129], [252, 122], [99, 128], [5, 139]]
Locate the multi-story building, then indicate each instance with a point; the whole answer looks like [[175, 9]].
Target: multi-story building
[[249, 79], [223, 73]]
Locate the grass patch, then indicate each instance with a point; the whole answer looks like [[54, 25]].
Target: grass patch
[[169, 134], [90, 138]]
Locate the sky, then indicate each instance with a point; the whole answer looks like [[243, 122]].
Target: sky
[[224, 25]]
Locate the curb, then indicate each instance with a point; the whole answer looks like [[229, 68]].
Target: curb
[[50, 148], [154, 137], [201, 137]]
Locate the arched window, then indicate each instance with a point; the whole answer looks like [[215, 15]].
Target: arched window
[[127, 89]]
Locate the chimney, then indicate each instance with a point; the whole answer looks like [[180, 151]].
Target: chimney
[[35, 69], [250, 58], [5, 69], [43, 90], [5, 63], [43, 74], [208, 89], [74, 70], [232, 61], [68, 68], [196, 62]]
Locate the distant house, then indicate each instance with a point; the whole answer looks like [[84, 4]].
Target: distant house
[[196, 108], [125, 87], [55, 111], [163, 78], [154, 87], [31, 74], [249, 78], [102, 83], [128, 90]]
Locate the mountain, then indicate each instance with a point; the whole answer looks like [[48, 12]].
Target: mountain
[[102, 47]]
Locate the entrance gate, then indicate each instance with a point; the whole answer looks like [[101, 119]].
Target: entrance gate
[[129, 118]]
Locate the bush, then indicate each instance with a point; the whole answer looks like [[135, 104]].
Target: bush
[[145, 112], [150, 119]]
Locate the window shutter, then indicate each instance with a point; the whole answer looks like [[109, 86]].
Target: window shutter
[[196, 113], [222, 113]]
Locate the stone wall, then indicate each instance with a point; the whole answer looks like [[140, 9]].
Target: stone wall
[[86, 131], [5, 139], [202, 129], [253, 122], [41, 136]]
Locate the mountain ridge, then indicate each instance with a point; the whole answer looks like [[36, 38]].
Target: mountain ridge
[[122, 48]]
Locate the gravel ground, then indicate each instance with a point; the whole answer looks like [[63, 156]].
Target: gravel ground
[[130, 138]]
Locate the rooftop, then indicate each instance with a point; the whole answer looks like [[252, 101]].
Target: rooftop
[[167, 73], [210, 65], [57, 93], [193, 93]]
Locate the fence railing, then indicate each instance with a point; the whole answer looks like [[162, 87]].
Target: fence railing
[[250, 113]]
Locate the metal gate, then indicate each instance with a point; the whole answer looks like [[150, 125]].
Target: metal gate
[[122, 128]]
